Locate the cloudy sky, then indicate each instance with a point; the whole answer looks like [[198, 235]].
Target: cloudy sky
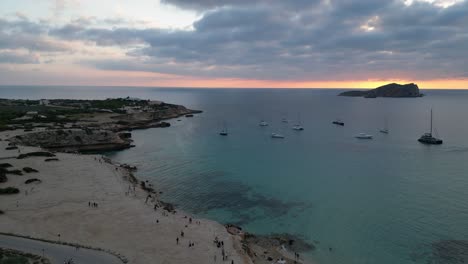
[[234, 43]]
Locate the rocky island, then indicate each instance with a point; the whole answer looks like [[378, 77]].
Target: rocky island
[[389, 90]]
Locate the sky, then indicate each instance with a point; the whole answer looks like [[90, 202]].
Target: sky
[[234, 43]]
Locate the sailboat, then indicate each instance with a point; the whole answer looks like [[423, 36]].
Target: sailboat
[[385, 129], [298, 125], [427, 138], [224, 131]]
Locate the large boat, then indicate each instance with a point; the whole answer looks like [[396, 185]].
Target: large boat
[[263, 123], [363, 136], [428, 138], [276, 135], [338, 122]]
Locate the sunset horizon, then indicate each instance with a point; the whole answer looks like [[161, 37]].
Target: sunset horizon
[[231, 44]]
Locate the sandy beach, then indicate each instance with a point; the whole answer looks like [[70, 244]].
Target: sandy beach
[[122, 222]]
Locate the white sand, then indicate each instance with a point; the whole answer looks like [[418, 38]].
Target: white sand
[[125, 224]]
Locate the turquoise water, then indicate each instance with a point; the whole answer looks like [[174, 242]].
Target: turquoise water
[[382, 201]]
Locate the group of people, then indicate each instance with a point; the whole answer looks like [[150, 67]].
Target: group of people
[[296, 257], [220, 244], [93, 204]]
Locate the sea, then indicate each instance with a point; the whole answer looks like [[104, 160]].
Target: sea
[[387, 200]]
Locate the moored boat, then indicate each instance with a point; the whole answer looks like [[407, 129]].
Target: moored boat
[[276, 135], [338, 122], [428, 138], [363, 136]]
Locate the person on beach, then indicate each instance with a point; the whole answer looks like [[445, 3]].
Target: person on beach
[[182, 233], [177, 240]]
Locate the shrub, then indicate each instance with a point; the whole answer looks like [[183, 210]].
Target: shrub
[[5, 165], [36, 154], [3, 177], [9, 190], [53, 159], [16, 172], [29, 170], [11, 148], [28, 181]]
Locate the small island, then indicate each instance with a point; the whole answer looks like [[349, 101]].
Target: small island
[[389, 90]]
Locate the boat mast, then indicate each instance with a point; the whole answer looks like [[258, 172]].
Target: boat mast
[[431, 121]]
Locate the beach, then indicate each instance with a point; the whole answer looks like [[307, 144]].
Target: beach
[[122, 222], [90, 201]]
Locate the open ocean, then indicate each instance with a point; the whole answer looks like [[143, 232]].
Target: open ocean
[[387, 200]]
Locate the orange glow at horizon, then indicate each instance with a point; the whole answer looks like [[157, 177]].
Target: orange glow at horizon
[[367, 84], [92, 77]]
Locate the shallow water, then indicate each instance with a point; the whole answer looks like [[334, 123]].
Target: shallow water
[[387, 200]]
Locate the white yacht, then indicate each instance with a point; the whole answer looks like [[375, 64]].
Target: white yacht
[[298, 127], [276, 135], [263, 123], [363, 136]]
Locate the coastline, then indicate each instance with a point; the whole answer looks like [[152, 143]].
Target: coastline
[[125, 220]]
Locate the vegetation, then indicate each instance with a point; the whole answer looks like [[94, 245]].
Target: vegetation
[[11, 148], [9, 190], [16, 172], [28, 181], [52, 159], [10, 256], [5, 165], [29, 170], [36, 154], [3, 177]]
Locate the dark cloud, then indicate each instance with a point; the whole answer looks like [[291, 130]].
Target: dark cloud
[[282, 40], [325, 42]]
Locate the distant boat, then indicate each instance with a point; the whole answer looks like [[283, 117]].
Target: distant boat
[[385, 128], [189, 115], [363, 136], [284, 120], [298, 125], [263, 123], [427, 138], [338, 122], [276, 135], [224, 131]]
